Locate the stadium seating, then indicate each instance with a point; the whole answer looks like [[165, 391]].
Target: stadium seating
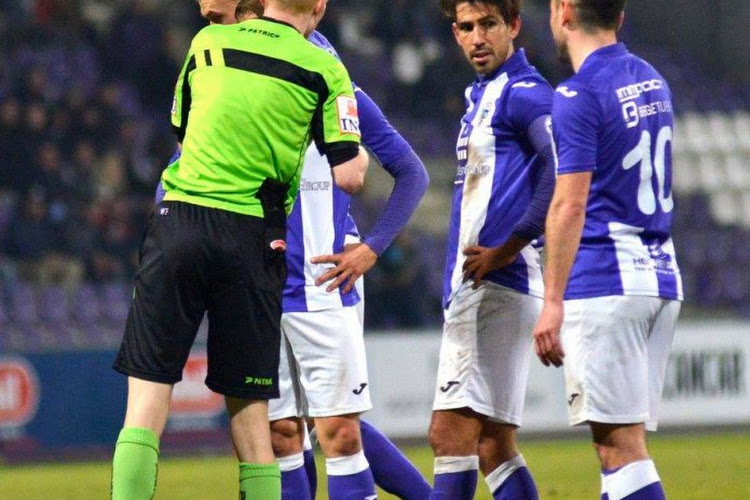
[[77, 81]]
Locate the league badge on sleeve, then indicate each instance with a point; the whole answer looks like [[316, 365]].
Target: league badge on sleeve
[[348, 117]]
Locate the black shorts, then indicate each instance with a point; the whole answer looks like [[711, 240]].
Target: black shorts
[[195, 259]]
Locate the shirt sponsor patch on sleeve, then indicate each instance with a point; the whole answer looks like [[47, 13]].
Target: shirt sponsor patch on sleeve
[[348, 116]]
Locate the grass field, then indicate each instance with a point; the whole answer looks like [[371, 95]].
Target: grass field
[[703, 467]]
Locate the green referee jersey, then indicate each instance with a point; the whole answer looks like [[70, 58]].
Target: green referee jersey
[[249, 99]]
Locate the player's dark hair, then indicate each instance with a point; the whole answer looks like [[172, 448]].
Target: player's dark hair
[[245, 7], [599, 14], [510, 10]]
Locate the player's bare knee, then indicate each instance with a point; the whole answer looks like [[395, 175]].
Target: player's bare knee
[[339, 436], [447, 442], [343, 442], [455, 432], [496, 450], [286, 438], [617, 446]]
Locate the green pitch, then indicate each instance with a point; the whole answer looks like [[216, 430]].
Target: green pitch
[[705, 467]]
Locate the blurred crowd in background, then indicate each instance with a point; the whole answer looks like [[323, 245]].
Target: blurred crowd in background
[[85, 92]]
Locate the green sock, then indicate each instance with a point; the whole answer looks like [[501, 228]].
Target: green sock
[[260, 481], [134, 464]]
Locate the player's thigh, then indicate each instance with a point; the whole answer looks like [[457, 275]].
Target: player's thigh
[[457, 350], [659, 347], [487, 338], [168, 297], [244, 310], [606, 365], [329, 349], [289, 404]]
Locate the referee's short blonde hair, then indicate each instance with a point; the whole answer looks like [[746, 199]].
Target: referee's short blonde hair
[[295, 6]]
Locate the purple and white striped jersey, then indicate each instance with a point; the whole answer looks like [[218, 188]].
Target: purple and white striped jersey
[[320, 221], [614, 118], [495, 180], [317, 225]]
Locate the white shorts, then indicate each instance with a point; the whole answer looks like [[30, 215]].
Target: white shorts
[[616, 353], [484, 355], [323, 368]]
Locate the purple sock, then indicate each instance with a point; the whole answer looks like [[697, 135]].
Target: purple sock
[[350, 478], [312, 473], [634, 481], [512, 480], [294, 483], [391, 469], [519, 486], [653, 491], [455, 478]]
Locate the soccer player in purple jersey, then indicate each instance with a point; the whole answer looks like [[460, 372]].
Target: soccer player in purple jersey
[[323, 354], [612, 284], [493, 282]]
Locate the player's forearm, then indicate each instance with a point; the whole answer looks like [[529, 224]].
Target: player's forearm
[[563, 235], [410, 184], [565, 221], [512, 247]]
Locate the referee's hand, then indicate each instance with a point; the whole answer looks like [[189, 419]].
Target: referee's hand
[[349, 265], [547, 334]]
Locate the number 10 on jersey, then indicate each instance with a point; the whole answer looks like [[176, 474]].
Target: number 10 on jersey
[[641, 154]]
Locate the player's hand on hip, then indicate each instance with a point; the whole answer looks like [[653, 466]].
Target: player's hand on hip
[[481, 260], [547, 334], [349, 266]]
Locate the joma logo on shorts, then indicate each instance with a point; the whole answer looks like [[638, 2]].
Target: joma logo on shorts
[[447, 387], [258, 381]]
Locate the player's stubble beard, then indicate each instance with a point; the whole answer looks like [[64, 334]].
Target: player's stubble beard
[[563, 52], [561, 44]]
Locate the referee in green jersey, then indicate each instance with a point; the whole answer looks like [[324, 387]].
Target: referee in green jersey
[[249, 100]]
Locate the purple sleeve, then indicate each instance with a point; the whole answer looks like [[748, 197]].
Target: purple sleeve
[[531, 225], [575, 116], [527, 101], [350, 228], [317, 39], [160, 192], [400, 161], [530, 105]]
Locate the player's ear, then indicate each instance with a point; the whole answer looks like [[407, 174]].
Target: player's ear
[[320, 8], [515, 27], [567, 13], [621, 20]]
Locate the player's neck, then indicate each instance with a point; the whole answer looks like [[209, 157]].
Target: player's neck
[[299, 21], [582, 45]]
